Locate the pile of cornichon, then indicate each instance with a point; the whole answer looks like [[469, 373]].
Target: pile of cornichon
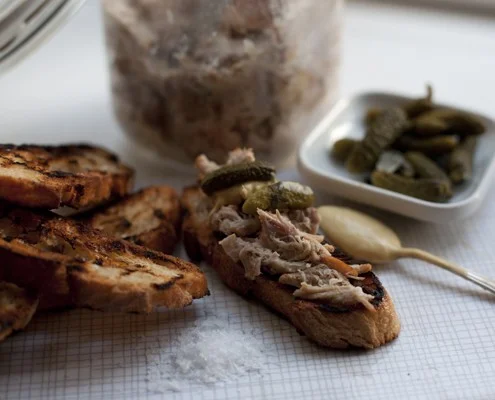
[[257, 187], [418, 149]]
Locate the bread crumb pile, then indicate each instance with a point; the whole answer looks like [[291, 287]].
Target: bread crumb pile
[[210, 352]]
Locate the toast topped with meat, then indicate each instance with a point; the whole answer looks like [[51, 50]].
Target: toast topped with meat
[[149, 218], [261, 236], [70, 263], [49, 177], [17, 307]]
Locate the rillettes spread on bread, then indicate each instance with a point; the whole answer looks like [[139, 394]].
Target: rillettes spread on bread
[[244, 217]]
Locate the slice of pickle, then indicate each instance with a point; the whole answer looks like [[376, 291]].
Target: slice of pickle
[[424, 166], [384, 130], [454, 121], [431, 146], [342, 148], [419, 106], [460, 162], [279, 196], [427, 125], [231, 175], [435, 190], [371, 115]]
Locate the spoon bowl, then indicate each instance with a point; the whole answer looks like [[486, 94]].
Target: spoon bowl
[[367, 239], [359, 235]]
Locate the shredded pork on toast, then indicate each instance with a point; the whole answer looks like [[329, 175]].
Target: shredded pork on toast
[[327, 325], [149, 218], [48, 177], [17, 307], [70, 263]]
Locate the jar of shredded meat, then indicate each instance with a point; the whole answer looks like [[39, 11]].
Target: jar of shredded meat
[[207, 76]]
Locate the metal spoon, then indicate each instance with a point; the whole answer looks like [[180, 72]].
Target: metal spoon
[[365, 238]]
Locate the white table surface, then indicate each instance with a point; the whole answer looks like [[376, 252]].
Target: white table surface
[[61, 94]]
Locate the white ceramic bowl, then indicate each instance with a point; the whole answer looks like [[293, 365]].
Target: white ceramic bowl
[[346, 120]]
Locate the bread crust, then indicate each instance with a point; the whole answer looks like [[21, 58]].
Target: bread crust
[[326, 325], [71, 264], [49, 177], [17, 307], [149, 218]]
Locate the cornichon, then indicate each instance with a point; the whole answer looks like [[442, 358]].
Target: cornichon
[[425, 167], [342, 148], [460, 163], [382, 132], [279, 196], [231, 175], [436, 190], [453, 121], [420, 106], [435, 145], [371, 114], [427, 125]]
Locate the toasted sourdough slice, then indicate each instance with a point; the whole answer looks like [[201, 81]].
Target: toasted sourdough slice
[[325, 324], [70, 263], [150, 218], [17, 307], [49, 177]]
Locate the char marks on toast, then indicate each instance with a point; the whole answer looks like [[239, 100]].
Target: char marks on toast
[[17, 307], [49, 177], [70, 263], [150, 218], [337, 327]]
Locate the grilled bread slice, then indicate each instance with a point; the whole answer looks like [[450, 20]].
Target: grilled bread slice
[[70, 263], [49, 177], [17, 307], [325, 324], [149, 218]]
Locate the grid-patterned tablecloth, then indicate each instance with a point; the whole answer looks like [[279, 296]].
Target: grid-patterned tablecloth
[[446, 348]]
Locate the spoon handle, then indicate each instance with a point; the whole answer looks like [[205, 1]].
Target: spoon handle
[[479, 280]]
